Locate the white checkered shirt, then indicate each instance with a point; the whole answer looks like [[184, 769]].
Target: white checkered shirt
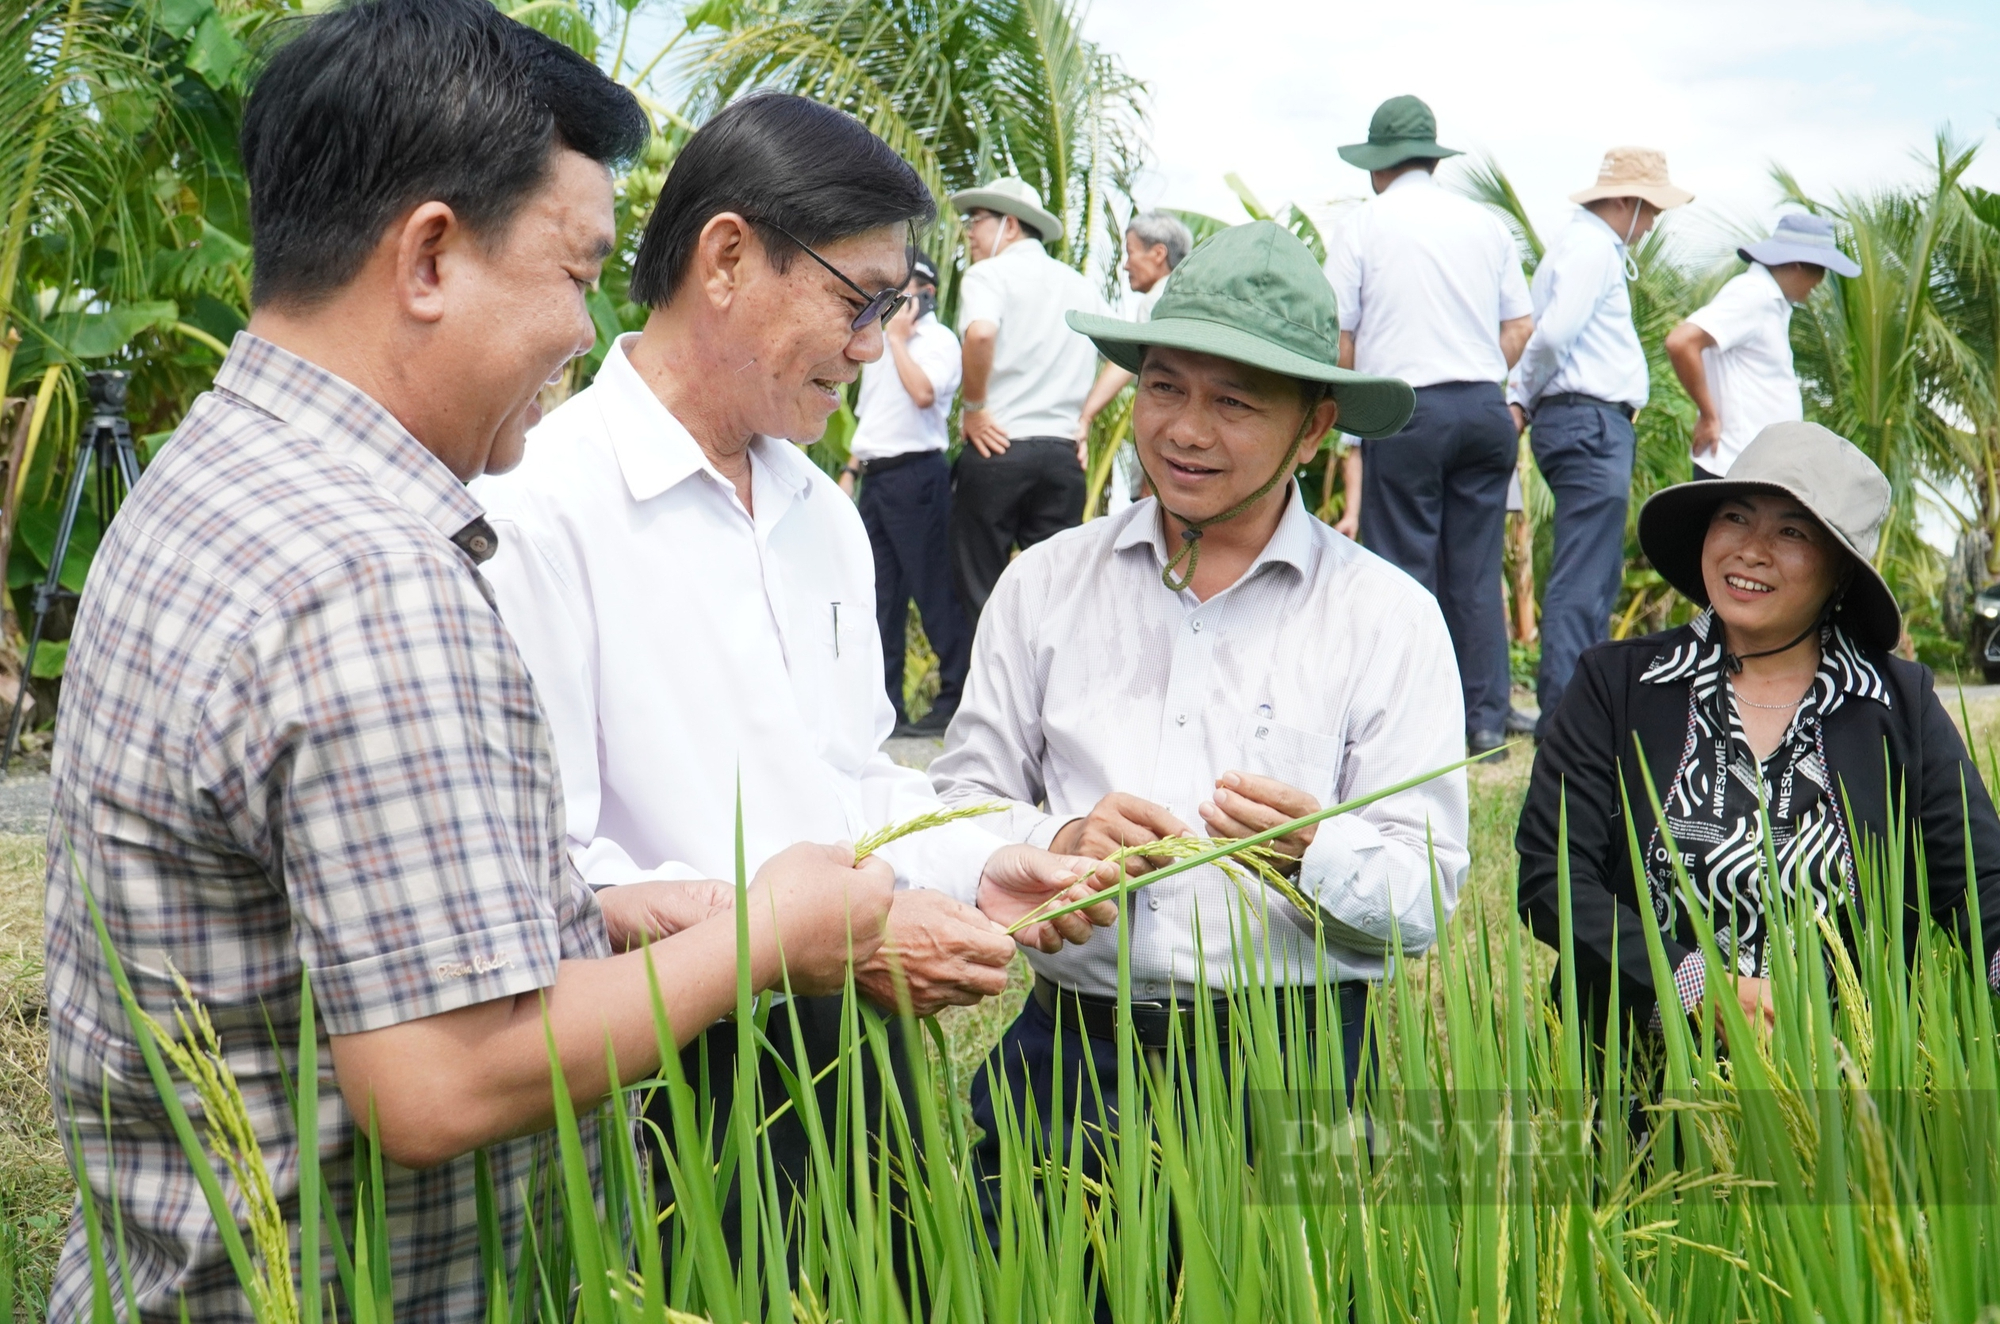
[[293, 731]]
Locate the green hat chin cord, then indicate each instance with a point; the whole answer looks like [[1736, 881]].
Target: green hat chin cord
[[1192, 529]]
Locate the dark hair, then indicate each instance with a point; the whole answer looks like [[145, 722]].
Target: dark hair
[[776, 160], [381, 105]]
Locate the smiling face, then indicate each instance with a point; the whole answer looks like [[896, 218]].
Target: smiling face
[[518, 315], [1769, 568], [796, 327], [1211, 431]]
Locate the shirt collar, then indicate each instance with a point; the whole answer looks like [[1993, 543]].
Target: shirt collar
[[1761, 274], [1292, 542], [1021, 248], [1585, 214], [1411, 179], [350, 423], [655, 451], [1843, 670]]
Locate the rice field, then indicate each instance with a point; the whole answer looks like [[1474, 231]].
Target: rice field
[[1846, 1170]]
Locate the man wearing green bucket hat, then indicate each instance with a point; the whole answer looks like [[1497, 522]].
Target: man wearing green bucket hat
[[1430, 290], [1214, 656]]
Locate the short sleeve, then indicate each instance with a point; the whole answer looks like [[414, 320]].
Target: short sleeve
[[1733, 315], [938, 354], [980, 297], [1343, 272], [1515, 301], [391, 756]]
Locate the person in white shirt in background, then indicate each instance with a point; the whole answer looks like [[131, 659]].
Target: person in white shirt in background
[[1734, 354], [1582, 379], [1431, 291], [897, 453], [695, 599], [1019, 478], [1133, 682], [1155, 243]]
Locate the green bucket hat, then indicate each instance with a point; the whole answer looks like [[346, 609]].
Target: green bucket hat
[[1403, 129], [1253, 294]]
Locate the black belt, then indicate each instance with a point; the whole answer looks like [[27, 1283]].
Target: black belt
[[888, 462], [1153, 1022], [1578, 398]]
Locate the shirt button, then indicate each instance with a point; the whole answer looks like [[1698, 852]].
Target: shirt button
[[1151, 987], [1152, 903], [1180, 719], [1197, 627]]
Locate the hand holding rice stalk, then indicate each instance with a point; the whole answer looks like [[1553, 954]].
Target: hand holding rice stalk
[[1193, 852]]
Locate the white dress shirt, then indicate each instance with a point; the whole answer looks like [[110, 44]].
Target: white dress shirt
[[1750, 369], [1042, 370], [679, 643], [1584, 342], [1424, 278], [889, 421], [1324, 667]]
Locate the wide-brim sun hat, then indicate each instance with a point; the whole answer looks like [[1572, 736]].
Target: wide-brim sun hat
[[1801, 237], [1012, 196], [1253, 294], [1635, 172], [1403, 129], [1822, 471]]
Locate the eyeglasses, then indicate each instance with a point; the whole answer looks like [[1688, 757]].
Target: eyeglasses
[[881, 306]]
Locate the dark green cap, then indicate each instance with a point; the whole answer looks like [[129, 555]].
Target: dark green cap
[[1253, 294], [1403, 130]]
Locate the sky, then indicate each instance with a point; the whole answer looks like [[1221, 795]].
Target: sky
[[1841, 92]]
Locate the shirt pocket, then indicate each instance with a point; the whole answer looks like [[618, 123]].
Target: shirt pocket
[[1308, 760]]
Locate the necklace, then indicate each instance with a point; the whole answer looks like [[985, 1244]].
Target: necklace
[[1737, 695]]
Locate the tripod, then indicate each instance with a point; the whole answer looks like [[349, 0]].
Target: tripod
[[106, 450]]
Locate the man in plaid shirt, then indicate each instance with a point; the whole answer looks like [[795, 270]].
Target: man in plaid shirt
[[294, 734]]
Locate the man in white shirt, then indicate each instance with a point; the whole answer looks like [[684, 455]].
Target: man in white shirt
[[1214, 659], [898, 454], [1582, 378], [1155, 243], [694, 598], [1019, 478], [1734, 355], [1431, 291]]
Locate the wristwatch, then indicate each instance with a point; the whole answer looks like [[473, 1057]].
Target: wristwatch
[[852, 470], [970, 406]]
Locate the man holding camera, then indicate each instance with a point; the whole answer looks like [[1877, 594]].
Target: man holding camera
[[898, 448]]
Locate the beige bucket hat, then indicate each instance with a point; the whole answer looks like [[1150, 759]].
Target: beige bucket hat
[[1819, 469], [1012, 196], [1635, 172]]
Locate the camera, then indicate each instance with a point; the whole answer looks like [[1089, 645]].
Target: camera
[[107, 388]]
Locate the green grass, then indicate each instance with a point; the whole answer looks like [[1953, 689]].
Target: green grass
[[1724, 1233]]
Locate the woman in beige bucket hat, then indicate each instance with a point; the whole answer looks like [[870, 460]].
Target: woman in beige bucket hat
[[1777, 726]]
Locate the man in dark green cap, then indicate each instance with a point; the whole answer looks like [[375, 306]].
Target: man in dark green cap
[[1431, 291], [1215, 660]]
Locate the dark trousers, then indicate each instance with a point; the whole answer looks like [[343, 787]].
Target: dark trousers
[[709, 1064], [1585, 454], [906, 508], [1027, 494], [1434, 502], [1027, 1065], [1701, 475]]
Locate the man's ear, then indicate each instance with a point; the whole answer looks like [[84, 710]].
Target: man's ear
[[1324, 415], [423, 246], [724, 247]]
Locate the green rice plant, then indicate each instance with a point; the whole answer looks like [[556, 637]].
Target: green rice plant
[[1498, 1159], [880, 837]]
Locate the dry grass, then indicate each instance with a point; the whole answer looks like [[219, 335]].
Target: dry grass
[[34, 1178]]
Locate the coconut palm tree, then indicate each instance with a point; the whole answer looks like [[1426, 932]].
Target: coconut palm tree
[[963, 91]]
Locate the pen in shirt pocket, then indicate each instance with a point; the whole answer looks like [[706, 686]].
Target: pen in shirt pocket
[[836, 629]]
